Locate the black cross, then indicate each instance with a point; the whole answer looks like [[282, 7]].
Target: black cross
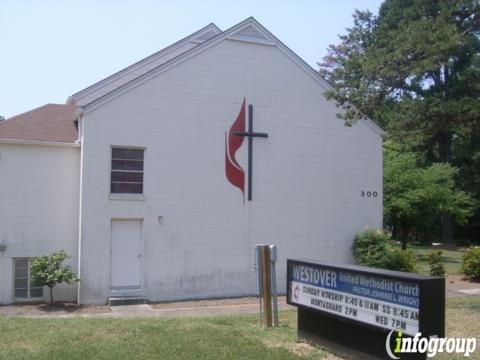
[[250, 134]]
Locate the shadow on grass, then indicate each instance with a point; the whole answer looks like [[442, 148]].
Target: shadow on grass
[[57, 307]]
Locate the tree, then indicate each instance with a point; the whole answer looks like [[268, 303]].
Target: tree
[[415, 69], [417, 196], [47, 270]]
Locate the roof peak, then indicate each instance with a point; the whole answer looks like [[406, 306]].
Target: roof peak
[[249, 30]]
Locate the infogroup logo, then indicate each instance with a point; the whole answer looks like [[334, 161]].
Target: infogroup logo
[[431, 346]]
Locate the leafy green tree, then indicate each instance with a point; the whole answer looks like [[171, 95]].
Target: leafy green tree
[[417, 196], [415, 69], [467, 159], [48, 270]]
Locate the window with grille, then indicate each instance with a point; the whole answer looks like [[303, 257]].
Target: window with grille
[[127, 171], [23, 288]]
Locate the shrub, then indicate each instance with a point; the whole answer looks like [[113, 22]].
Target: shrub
[[370, 248], [436, 264], [471, 264], [48, 270], [401, 260]]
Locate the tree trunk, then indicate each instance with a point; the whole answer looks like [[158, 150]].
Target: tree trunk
[[395, 232], [51, 296], [404, 237], [445, 154], [447, 229], [444, 139]]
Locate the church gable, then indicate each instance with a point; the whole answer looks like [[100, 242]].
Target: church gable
[[249, 31]]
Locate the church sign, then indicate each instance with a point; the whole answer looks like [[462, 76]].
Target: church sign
[[355, 301]]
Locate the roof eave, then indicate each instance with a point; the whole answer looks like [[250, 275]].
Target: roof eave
[[39, 142], [105, 81]]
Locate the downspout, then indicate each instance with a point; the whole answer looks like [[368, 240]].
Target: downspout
[[81, 141]]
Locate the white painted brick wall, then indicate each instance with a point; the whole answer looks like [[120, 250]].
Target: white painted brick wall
[[39, 187], [307, 175]]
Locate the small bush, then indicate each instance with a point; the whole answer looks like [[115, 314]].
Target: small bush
[[48, 270], [471, 264], [370, 248], [436, 264], [401, 260]]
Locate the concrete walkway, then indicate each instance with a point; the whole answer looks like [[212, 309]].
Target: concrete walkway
[[145, 310], [475, 291], [455, 286]]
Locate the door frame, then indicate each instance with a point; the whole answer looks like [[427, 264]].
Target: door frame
[[140, 287]]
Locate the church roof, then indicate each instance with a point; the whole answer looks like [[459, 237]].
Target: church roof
[[143, 66], [51, 122], [249, 30], [54, 122]]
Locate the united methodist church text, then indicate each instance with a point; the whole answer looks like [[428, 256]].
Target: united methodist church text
[[375, 300]]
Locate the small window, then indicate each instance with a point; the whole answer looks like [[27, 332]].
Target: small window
[[127, 171], [23, 288]]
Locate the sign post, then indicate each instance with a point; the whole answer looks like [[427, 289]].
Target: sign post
[[266, 256], [267, 293], [352, 309]]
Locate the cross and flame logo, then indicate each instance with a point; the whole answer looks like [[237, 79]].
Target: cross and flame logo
[[233, 171]]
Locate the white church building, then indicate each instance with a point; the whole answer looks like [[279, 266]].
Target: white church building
[[160, 179]]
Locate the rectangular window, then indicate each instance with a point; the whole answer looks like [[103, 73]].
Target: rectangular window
[[23, 288], [127, 171]]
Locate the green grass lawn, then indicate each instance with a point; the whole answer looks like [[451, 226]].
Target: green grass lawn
[[462, 320], [452, 259], [225, 337]]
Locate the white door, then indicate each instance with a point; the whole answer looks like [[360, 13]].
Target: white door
[[126, 254]]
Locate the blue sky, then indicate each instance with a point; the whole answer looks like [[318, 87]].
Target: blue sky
[[52, 49]]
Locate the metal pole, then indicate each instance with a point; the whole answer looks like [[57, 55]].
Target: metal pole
[[267, 295], [250, 151], [274, 295], [258, 260]]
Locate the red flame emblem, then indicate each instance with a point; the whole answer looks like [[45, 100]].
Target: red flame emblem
[[233, 171], [296, 292]]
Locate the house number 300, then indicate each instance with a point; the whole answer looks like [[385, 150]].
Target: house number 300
[[368, 193]]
